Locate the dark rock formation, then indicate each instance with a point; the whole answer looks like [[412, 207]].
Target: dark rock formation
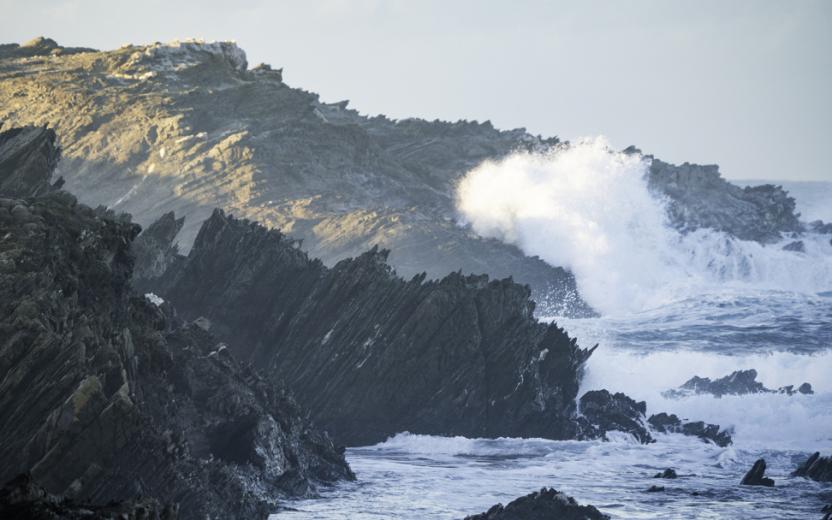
[[370, 354], [27, 158], [655, 489], [546, 504], [155, 250], [827, 512], [816, 468], [106, 397], [740, 382], [22, 499], [698, 197], [665, 423], [756, 475], [603, 412], [668, 473], [796, 246]]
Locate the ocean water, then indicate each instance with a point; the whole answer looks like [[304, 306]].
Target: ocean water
[[672, 306]]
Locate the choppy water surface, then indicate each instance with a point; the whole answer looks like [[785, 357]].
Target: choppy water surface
[[715, 306]]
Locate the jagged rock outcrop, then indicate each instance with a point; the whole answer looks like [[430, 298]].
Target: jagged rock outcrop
[[816, 468], [668, 473], [740, 382], [546, 504], [370, 354], [27, 158], [188, 127], [698, 197], [23, 499], [756, 476], [670, 423], [105, 396], [155, 250], [603, 412]]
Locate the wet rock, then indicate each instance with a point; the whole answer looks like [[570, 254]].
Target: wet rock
[[796, 246], [670, 423], [818, 226], [459, 356], [827, 512], [740, 382], [604, 412], [545, 504], [815, 468], [21, 498], [668, 473], [756, 475], [700, 198], [655, 489]]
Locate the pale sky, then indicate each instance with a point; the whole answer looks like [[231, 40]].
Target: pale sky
[[745, 84]]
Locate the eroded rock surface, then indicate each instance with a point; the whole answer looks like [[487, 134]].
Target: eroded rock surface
[[670, 423], [698, 197], [105, 396], [188, 127], [603, 412], [816, 468], [546, 504], [23, 499], [370, 354], [740, 382]]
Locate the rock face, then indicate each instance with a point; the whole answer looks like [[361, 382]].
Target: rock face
[[187, 127], [22, 499], [665, 423], [740, 382], [106, 396], [370, 354], [546, 504], [603, 412], [155, 250], [27, 158], [756, 475], [816, 468], [698, 197]]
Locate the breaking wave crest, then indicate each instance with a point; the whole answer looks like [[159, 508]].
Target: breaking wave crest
[[588, 208]]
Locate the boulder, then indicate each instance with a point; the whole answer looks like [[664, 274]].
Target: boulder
[[546, 504], [670, 423], [603, 412], [668, 473]]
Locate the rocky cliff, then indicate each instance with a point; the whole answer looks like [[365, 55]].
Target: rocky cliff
[[187, 126], [105, 396], [370, 354], [698, 197]]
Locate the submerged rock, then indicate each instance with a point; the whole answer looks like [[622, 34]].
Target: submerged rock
[[655, 489], [815, 468], [756, 475], [668, 473], [603, 412], [23, 499], [546, 504], [670, 423], [370, 354], [740, 382], [796, 246]]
